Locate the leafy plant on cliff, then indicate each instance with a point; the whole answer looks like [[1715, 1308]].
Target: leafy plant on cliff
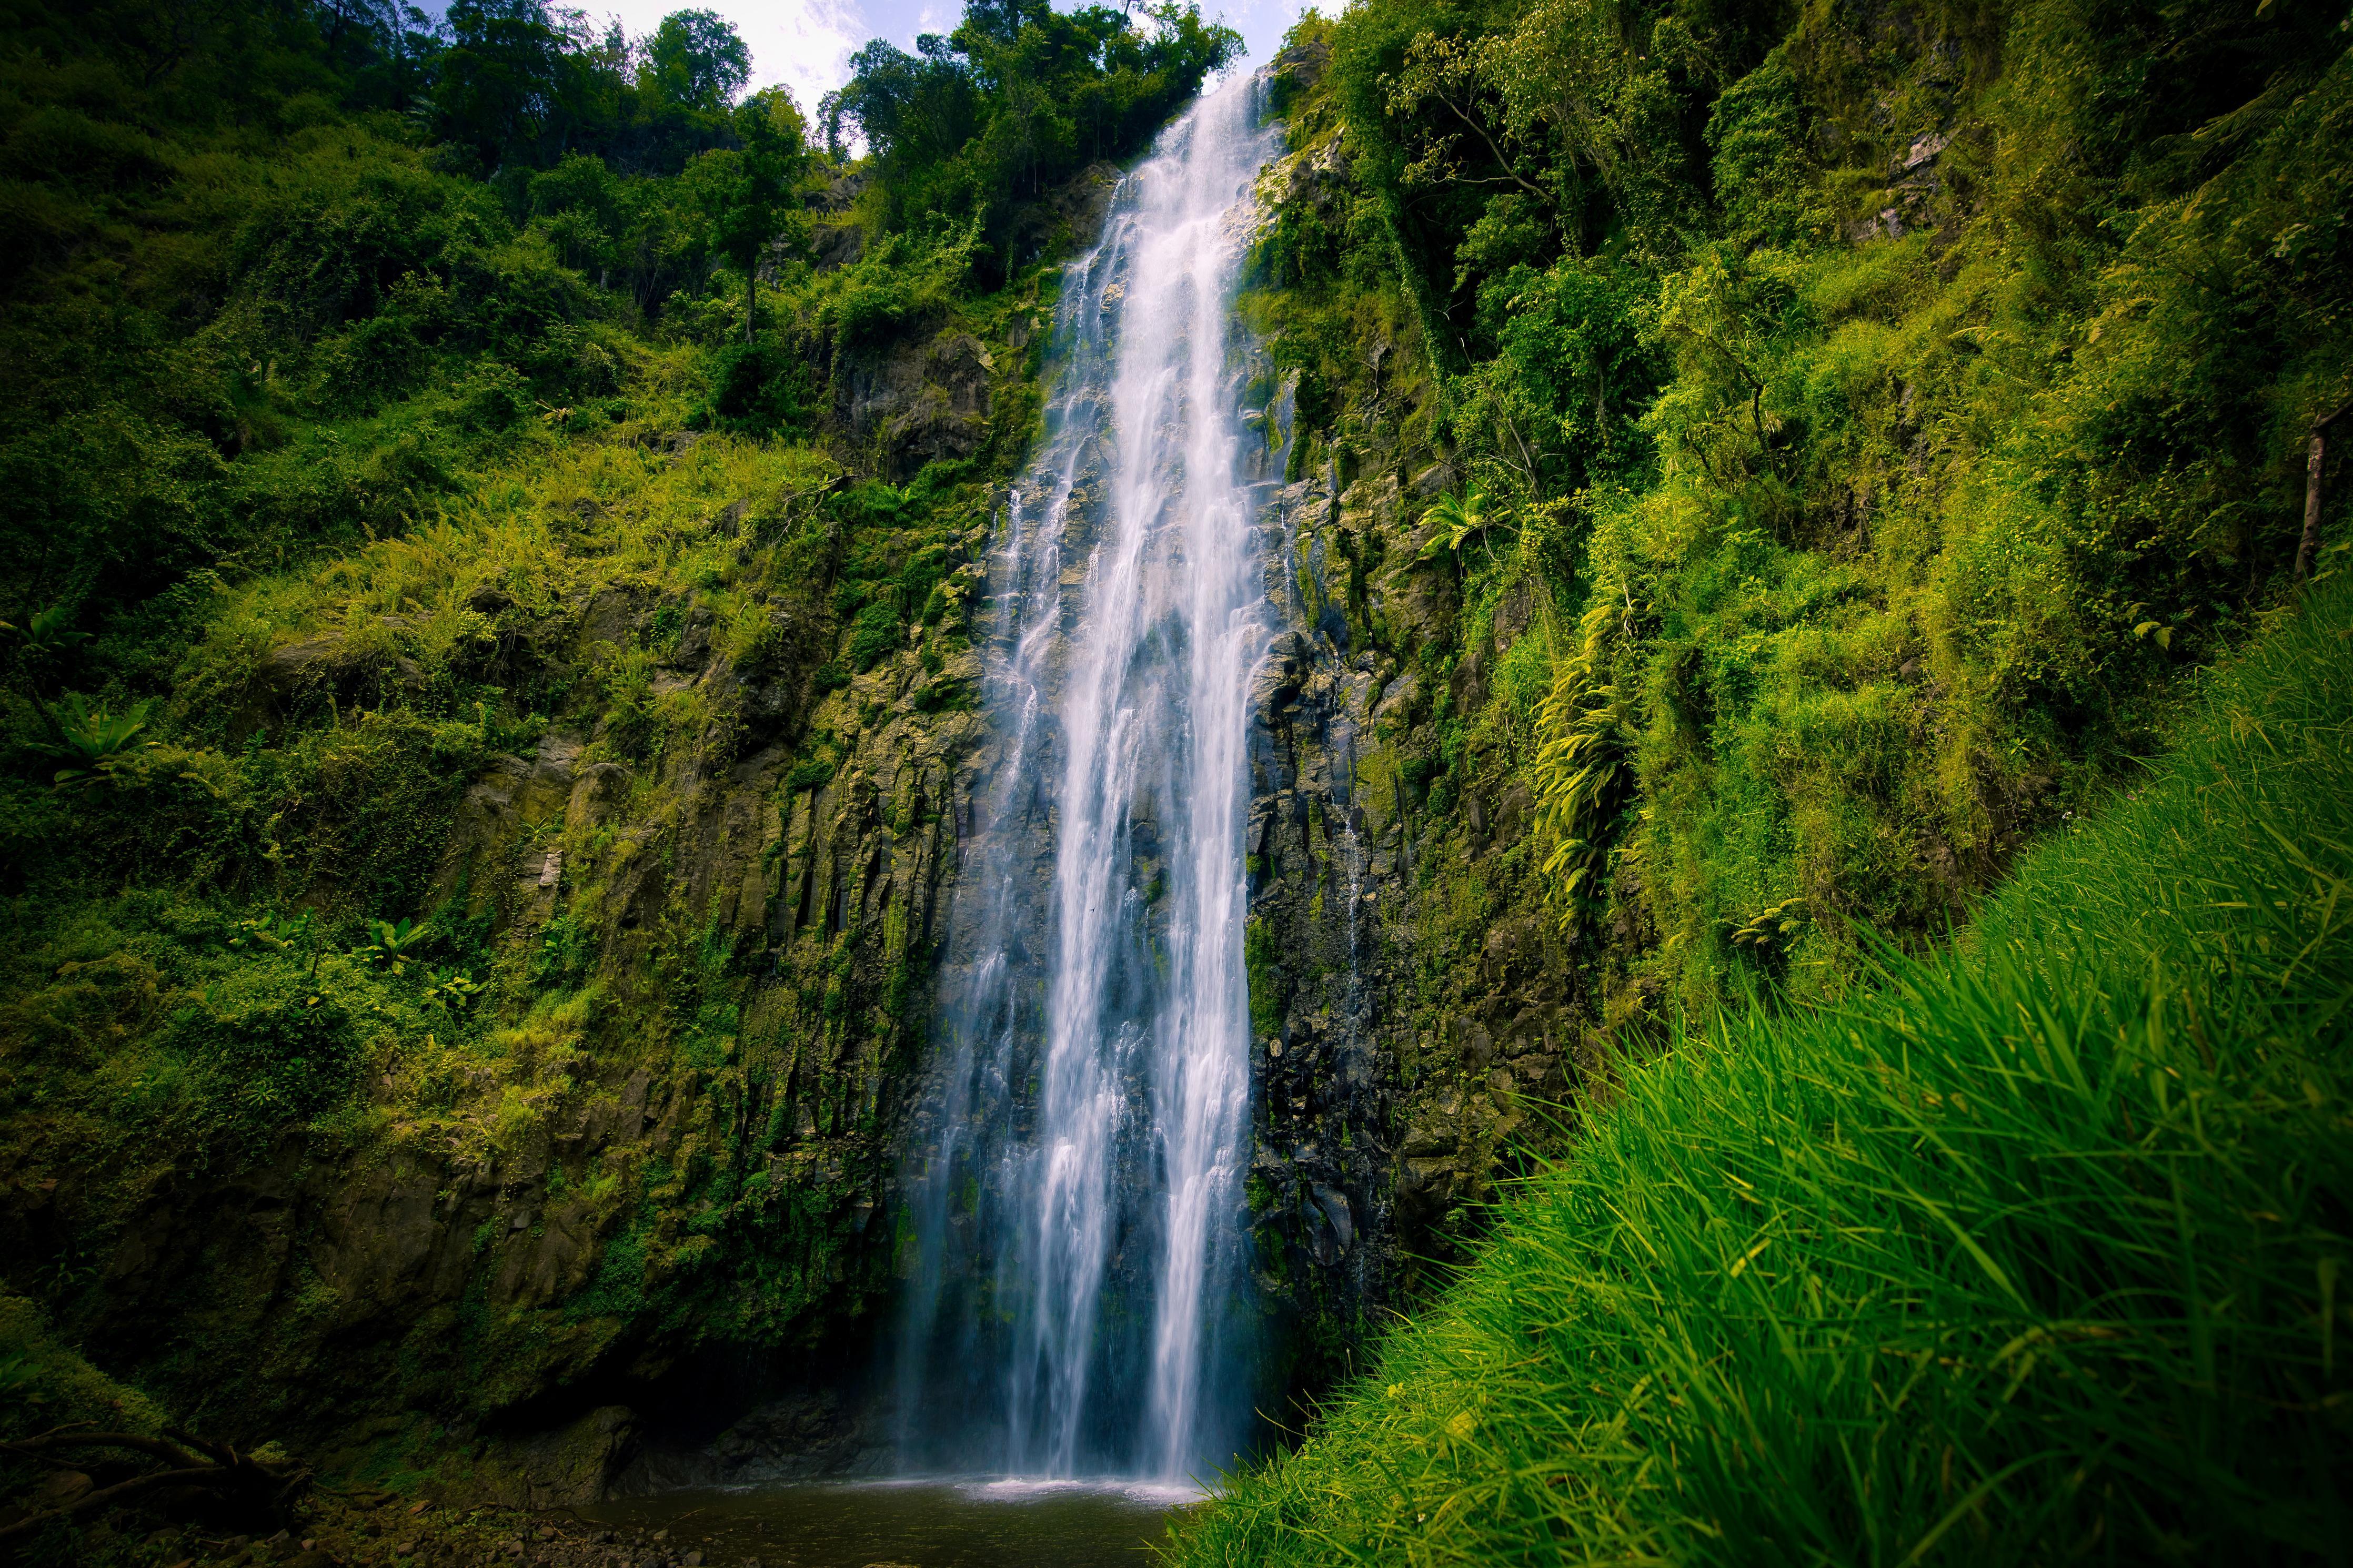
[[394, 944], [1460, 517], [92, 741]]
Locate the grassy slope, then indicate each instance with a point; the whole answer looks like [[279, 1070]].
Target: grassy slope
[[2036, 1249]]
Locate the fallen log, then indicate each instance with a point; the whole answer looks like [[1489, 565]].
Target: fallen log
[[189, 1461]]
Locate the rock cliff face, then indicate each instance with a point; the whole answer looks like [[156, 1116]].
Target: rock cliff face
[[695, 877], [690, 1144], [1408, 1009], [659, 1172]]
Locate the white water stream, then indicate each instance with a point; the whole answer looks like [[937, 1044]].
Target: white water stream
[[1076, 1296]]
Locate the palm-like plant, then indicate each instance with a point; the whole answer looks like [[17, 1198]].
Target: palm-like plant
[[1462, 516], [1581, 769], [394, 945], [91, 739], [50, 631]]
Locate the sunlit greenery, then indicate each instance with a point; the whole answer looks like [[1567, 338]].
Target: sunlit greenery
[[1938, 774], [2035, 1250], [385, 395], [1923, 397]]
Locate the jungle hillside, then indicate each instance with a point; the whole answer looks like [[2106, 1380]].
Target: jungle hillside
[[1796, 935]]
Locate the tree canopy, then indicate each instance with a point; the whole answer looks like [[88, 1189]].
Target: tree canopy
[[1017, 98]]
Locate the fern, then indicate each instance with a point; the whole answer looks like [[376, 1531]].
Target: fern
[[1579, 770]]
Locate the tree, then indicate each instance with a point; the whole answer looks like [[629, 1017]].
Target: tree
[[499, 78], [748, 193], [696, 61]]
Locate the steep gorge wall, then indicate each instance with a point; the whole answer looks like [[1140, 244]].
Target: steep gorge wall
[[700, 897], [701, 848], [647, 1189]]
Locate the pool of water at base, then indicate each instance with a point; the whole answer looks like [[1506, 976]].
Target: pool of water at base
[[909, 1524]]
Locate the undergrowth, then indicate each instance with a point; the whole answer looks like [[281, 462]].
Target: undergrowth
[[2032, 1251]]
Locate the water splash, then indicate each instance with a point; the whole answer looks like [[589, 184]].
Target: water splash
[[1078, 1207]]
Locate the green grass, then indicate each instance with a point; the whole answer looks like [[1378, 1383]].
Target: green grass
[[2034, 1252]]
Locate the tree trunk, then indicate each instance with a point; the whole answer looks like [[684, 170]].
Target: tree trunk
[[2316, 461], [2316, 457]]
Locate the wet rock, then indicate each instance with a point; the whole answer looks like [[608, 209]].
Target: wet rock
[[833, 245], [574, 1464], [1338, 1214]]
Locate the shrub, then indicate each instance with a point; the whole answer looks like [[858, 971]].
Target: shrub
[[875, 635], [759, 388]]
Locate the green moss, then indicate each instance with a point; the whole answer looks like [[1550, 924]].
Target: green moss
[[1897, 545], [45, 1383], [1261, 955]]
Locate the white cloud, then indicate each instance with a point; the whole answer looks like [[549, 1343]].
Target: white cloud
[[804, 45]]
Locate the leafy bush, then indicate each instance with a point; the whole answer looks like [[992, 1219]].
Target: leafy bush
[[265, 1047], [758, 389], [92, 741]]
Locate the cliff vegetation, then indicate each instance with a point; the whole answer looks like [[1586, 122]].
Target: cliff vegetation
[[1804, 529], [487, 549]]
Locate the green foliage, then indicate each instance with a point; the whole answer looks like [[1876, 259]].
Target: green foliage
[[758, 388], [271, 932], [1016, 99], [92, 741], [1579, 769], [1457, 518], [878, 631], [45, 1384], [384, 407], [748, 193], [1261, 958], [451, 992], [394, 944], [48, 633], [1920, 408], [2037, 1243]]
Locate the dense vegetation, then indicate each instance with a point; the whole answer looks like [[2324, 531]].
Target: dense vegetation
[[1012, 103], [2033, 1251], [1810, 456], [1884, 403], [469, 490], [399, 412]]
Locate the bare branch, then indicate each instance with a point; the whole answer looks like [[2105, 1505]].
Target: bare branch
[[133, 1441], [106, 1495]]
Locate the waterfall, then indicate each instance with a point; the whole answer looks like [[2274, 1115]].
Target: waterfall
[[1077, 1283]]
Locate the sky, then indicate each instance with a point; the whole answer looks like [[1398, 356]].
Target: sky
[[806, 45]]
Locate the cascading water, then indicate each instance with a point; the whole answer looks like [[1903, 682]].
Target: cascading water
[[1074, 1307]]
